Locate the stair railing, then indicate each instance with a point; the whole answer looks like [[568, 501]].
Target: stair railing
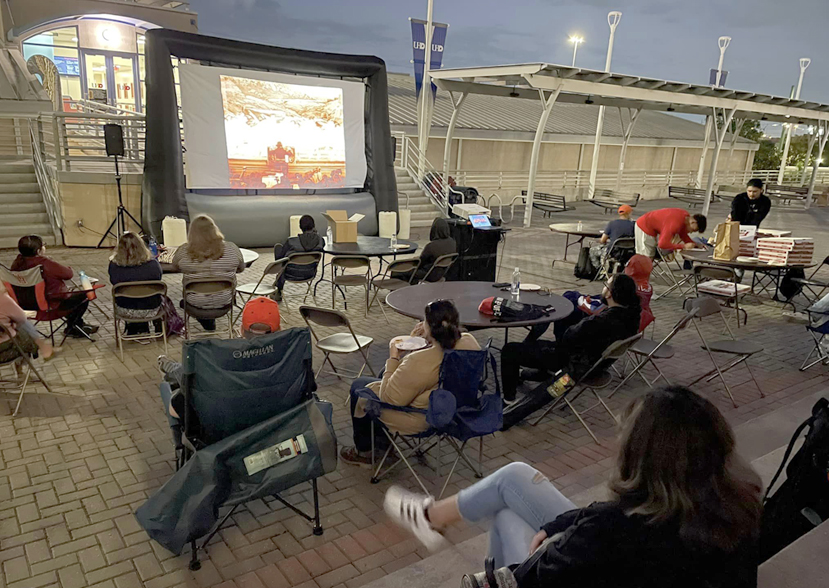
[[424, 174], [46, 177]]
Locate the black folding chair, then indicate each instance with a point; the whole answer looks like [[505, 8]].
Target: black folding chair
[[705, 275], [388, 282], [437, 273], [815, 286], [818, 328]]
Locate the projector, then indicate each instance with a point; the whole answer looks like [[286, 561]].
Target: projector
[[466, 210]]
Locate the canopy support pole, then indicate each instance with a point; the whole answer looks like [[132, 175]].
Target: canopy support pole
[[548, 104], [628, 132], [450, 132], [705, 142], [822, 126], [735, 135], [809, 155], [712, 170], [594, 163]]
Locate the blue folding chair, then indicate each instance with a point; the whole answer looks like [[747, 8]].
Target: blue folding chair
[[460, 410], [818, 328]]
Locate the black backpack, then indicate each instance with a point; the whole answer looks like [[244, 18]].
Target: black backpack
[[506, 310], [802, 501], [584, 267], [789, 288]]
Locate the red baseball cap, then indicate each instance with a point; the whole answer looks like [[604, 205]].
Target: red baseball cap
[[486, 305], [625, 209], [260, 316]]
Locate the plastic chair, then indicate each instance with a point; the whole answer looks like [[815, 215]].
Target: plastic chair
[[818, 328], [30, 368], [596, 378], [137, 291], [28, 289], [338, 282], [460, 410], [703, 273], [439, 269], [309, 260], [743, 350], [387, 282], [207, 285], [339, 343]]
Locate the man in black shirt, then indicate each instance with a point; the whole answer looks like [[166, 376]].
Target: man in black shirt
[[751, 206]]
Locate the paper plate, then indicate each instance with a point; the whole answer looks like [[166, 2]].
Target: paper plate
[[410, 343], [401, 246], [746, 259], [530, 287]]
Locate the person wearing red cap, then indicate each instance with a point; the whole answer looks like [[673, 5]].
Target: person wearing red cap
[[620, 227], [664, 227]]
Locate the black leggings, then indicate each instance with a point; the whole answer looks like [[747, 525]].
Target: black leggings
[[77, 303], [362, 425], [541, 355]]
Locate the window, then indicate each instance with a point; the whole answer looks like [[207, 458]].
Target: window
[[60, 46]]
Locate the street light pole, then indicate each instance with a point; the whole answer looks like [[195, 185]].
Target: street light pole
[[576, 41], [723, 42], [804, 63], [613, 19], [425, 94]]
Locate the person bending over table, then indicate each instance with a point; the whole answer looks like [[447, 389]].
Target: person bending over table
[[133, 262], [408, 381], [207, 255], [33, 254], [621, 227], [577, 349], [752, 206], [684, 509], [308, 241], [667, 229]]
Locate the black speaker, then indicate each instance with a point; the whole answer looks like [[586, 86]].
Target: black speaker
[[114, 139]]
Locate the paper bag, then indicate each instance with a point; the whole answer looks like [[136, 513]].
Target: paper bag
[[727, 241]]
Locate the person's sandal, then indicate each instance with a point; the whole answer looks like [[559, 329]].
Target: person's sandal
[[408, 510]]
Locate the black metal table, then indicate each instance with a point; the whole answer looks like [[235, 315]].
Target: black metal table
[[378, 247]]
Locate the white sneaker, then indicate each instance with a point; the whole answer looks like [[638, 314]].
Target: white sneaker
[[409, 511]]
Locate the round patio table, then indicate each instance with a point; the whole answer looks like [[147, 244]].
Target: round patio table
[[411, 301], [592, 230], [378, 247], [248, 255]]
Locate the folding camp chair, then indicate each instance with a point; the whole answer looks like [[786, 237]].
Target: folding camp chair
[[459, 410], [138, 290], [711, 281], [13, 356], [743, 350], [28, 289], [437, 273], [251, 429], [338, 343], [649, 350], [388, 282], [596, 378], [207, 285], [818, 328]]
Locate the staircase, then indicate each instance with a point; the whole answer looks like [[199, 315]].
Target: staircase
[[23, 210], [423, 210]]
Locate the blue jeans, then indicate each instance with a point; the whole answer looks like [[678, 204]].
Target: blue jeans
[[519, 499]]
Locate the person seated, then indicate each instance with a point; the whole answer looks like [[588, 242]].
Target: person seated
[[18, 329], [752, 206], [577, 349], [684, 508], [408, 381], [621, 227], [639, 269], [207, 255], [133, 262], [667, 229], [440, 243], [307, 241], [32, 254]]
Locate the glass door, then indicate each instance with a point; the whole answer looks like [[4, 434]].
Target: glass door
[[123, 74], [111, 79], [96, 78]]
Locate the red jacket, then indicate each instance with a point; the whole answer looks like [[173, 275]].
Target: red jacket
[[667, 223], [53, 273]]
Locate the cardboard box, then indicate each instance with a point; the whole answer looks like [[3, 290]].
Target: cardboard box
[[343, 226]]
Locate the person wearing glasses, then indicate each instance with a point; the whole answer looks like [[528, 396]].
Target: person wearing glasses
[[407, 381]]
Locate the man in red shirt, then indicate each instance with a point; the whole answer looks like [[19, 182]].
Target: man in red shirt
[[660, 228], [33, 253]]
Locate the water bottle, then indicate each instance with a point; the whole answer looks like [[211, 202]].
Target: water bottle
[[580, 226], [329, 236], [154, 247], [86, 284], [393, 240], [515, 287]]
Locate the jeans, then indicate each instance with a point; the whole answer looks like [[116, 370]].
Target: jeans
[[362, 425], [519, 499]]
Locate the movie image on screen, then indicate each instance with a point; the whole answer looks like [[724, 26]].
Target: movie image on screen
[[283, 135]]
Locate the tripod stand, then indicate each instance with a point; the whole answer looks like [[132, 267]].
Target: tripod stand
[[120, 213]]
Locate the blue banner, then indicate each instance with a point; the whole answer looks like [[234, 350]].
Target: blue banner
[[419, 49]]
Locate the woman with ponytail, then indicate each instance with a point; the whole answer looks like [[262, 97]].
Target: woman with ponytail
[[408, 381]]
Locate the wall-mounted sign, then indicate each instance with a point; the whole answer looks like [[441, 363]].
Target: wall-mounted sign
[[68, 66], [98, 94]]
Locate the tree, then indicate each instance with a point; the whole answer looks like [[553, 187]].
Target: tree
[[767, 156]]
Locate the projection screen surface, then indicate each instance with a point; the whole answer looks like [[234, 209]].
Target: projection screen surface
[[247, 129]]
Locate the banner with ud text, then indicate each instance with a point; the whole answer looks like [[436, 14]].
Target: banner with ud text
[[419, 48]]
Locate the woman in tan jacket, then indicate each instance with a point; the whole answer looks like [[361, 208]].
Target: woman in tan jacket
[[407, 382]]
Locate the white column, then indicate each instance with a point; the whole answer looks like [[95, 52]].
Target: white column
[[823, 127], [804, 63], [450, 132], [812, 138], [712, 169], [735, 135], [548, 104], [705, 142], [613, 19], [673, 166], [627, 131]]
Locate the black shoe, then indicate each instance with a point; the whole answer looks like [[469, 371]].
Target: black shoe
[[77, 332], [533, 375], [277, 295], [90, 329]]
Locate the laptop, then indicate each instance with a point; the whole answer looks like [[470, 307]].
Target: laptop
[[480, 221]]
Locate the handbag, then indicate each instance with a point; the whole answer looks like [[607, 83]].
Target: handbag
[[174, 323]]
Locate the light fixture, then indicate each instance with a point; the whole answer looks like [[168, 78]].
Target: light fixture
[[109, 36], [513, 93], [764, 117], [576, 39]]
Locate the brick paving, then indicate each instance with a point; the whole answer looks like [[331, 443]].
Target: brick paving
[[75, 466]]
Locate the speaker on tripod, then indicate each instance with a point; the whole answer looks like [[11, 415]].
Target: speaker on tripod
[[114, 142]]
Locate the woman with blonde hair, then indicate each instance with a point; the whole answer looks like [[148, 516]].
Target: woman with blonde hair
[[207, 254], [684, 509], [133, 262]]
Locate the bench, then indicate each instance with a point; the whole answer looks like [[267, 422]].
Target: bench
[[691, 196], [610, 200], [547, 203], [787, 194]]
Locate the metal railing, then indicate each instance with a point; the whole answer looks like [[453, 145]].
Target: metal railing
[[424, 174], [76, 141], [46, 177], [91, 107]]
